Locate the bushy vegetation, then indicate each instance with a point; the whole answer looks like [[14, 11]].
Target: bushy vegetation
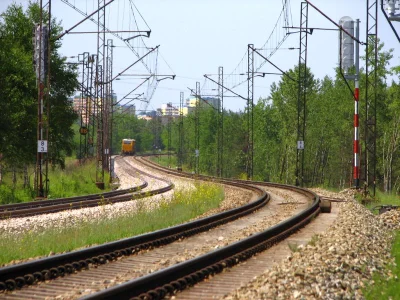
[[76, 179], [73, 180], [10, 194], [184, 205], [381, 198]]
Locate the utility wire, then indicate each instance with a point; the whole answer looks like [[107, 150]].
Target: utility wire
[[283, 15], [140, 15]]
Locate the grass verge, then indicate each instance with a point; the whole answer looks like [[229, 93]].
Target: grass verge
[[76, 179], [183, 206], [381, 198], [387, 288], [163, 160]]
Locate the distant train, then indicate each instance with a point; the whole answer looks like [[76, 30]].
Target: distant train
[[128, 147]]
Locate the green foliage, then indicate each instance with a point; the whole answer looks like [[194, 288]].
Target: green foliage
[[385, 198], [163, 160], [386, 287], [329, 133], [8, 194], [72, 180], [18, 91], [314, 240], [294, 247], [184, 205], [380, 198]]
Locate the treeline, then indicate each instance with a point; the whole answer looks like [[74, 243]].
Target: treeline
[[329, 128], [329, 133]]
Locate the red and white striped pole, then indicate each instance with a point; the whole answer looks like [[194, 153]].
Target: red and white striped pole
[[356, 145]]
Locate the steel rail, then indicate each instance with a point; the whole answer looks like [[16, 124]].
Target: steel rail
[[88, 203], [15, 210], [169, 280], [172, 279], [11, 210], [16, 276]]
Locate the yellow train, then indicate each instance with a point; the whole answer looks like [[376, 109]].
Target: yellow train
[[128, 147]]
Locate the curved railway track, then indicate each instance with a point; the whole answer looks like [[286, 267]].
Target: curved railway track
[[56, 205], [173, 278], [168, 281], [16, 276]]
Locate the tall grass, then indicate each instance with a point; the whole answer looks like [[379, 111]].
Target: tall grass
[[387, 288], [183, 206], [381, 198], [15, 194], [163, 160], [385, 198], [76, 179]]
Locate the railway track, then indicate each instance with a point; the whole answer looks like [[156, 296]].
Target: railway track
[[61, 204], [174, 276], [17, 276], [168, 281]]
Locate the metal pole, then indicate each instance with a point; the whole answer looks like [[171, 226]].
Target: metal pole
[[87, 110], [39, 178], [100, 94], [180, 151], [250, 110], [220, 125], [93, 101], [356, 147], [197, 128], [109, 111], [371, 89], [302, 94], [169, 108], [81, 136], [48, 97], [42, 59]]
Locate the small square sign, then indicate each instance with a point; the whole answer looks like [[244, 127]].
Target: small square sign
[[42, 146]]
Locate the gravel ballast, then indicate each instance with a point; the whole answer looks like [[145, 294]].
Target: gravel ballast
[[337, 264]]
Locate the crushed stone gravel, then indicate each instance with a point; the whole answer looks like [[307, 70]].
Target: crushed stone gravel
[[338, 265]]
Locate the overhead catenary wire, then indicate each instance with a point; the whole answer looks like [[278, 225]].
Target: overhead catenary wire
[[140, 14], [148, 63], [279, 40]]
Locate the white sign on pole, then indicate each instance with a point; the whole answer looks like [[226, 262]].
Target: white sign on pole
[[300, 145], [42, 146], [106, 151], [197, 152]]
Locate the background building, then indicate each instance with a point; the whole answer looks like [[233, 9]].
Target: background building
[[85, 106]]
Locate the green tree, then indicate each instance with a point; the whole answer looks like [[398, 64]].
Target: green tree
[[19, 90]]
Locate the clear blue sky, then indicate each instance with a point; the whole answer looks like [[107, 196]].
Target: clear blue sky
[[198, 36]]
